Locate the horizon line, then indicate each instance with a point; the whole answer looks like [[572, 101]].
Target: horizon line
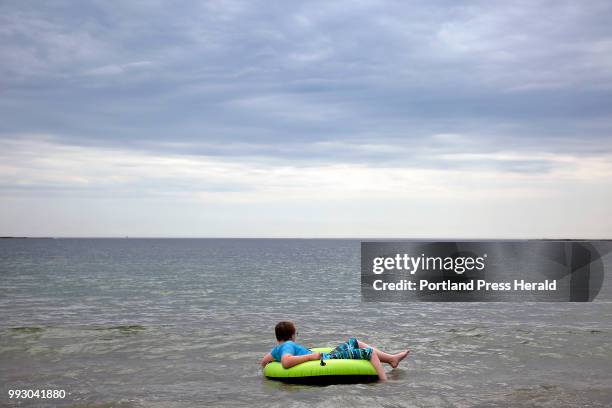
[[318, 238]]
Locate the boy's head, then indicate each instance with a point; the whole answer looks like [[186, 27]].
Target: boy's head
[[284, 331]]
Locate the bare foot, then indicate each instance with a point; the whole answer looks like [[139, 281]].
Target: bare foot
[[398, 357]]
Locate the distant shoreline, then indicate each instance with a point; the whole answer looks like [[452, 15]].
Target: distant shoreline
[[26, 238], [333, 238]]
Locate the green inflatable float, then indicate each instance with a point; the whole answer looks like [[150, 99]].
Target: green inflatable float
[[333, 372]]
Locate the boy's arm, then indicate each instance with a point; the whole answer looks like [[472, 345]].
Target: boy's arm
[[267, 359], [289, 361]]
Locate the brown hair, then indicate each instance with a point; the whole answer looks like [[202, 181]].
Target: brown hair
[[284, 331]]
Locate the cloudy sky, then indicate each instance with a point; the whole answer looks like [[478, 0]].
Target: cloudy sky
[[306, 119]]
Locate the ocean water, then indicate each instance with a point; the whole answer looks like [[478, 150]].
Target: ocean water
[[184, 322]]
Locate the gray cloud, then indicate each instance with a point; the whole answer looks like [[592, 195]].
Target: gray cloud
[[283, 73], [519, 89]]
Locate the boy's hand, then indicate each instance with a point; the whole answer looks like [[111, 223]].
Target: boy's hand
[[267, 359], [315, 356]]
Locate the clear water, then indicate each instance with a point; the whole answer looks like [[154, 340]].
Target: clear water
[[181, 323]]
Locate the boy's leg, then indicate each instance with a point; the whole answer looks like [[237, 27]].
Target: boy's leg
[[384, 357], [378, 367], [352, 350], [392, 359]]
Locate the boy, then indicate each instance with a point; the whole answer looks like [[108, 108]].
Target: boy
[[289, 353]]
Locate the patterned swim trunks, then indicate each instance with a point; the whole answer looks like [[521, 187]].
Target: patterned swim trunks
[[349, 350]]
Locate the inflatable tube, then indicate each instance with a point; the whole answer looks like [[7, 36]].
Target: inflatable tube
[[333, 372]]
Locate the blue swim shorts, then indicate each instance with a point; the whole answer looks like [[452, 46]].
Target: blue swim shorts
[[349, 350]]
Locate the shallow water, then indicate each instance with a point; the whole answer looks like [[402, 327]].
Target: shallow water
[[180, 323]]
